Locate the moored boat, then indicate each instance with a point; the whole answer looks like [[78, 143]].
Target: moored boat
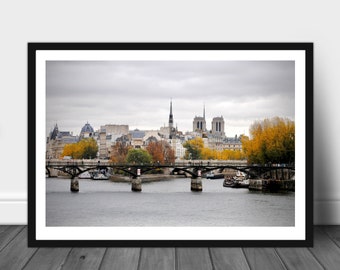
[[100, 176], [228, 182], [238, 181], [85, 175], [241, 183], [214, 176], [240, 176]]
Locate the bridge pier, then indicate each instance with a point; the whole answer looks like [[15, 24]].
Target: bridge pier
[[136, 183], [196, 182], [74, 184], [52, 172]]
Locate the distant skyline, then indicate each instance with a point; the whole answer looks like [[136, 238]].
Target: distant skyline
[[138, 93]]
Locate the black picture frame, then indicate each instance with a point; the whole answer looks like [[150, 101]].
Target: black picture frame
[[304, 238]]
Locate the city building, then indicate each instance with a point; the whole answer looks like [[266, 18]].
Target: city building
[[57, 140], [115, 131], [233, 143], [103, 149], [87, 131], [217, 126], [177, 145], [137, 137], [124, 140], [199, 123], [141, 138], [110, 134]]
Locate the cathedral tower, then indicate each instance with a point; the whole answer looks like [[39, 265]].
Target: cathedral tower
[[199, 123], [217, 126]]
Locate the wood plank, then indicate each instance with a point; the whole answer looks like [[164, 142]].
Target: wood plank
[[157, 258], [263, 259], [7, 233], [120, 258], [228, 258], [325, 250], [16, 254], [84, 258], [298, 258], [193, 259], [48, 258], [333, 232]]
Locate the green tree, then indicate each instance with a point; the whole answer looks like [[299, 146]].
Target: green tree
[[89, 148], [138, 156], [194, 148]]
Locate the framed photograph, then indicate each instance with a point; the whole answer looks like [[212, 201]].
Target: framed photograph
[[170, 144]]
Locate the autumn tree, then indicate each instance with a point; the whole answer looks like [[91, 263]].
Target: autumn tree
[[119, 152], [68, 150], [226, 154], [194, 148], [169, 153], [138, 156], [271, 140], [156, 152], [207, 153], [161, 152], [86, 148]]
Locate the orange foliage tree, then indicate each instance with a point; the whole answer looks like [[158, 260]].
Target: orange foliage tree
[[194, 148], [86, 148], [119, 152], [225, 154], [271, 141], [161, 152]]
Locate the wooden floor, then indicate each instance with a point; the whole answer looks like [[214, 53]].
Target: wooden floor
[[14, 254]]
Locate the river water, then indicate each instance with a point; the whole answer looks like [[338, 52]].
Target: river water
[[164, 203]]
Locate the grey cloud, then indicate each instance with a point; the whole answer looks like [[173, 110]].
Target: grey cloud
[[138, 93]]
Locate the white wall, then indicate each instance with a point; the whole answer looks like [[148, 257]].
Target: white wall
[[164, 21]]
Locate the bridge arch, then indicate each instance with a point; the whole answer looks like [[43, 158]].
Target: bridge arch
[[75, 168]]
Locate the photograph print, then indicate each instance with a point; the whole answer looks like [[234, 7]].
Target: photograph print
[[170, 144]]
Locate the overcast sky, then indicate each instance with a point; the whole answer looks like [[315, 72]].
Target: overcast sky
[[138, 93]]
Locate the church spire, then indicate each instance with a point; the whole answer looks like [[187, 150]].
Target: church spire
[[204, 111], [54, 133], [170, 106], [171, 117], [171, 122]]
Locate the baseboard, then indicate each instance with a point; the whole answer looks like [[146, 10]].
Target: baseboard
[[14, 212]]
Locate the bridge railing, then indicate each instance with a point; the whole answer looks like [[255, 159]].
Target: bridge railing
[[94, 162]]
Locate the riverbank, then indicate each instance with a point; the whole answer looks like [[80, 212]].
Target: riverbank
[[272, 185]]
